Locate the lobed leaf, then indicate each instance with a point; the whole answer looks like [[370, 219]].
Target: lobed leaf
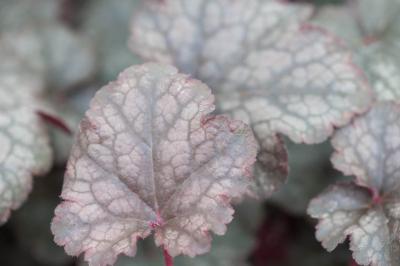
[[149, 157], [368, 211], [266, 66]]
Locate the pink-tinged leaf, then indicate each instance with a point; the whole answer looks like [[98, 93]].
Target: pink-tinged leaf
[[266, 66], [339, 208], [149, 157], [369, 211], [24, 142]]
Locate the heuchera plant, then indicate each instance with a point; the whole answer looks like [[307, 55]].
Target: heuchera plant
[[161, 153]]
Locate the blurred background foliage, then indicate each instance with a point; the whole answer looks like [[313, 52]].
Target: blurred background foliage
[[86, 49]]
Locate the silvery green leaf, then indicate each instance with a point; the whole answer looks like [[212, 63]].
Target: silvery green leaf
[[370, 28], [369, 211], [266, 66]]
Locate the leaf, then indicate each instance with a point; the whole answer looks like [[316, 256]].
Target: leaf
[[375, 40], [278, 61], [25, 145], [149, 157], [32, 51], [368, 211], [266, 66]]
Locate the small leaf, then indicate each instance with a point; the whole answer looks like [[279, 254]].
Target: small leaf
[[339, 208], [368, 211], [149, 157]]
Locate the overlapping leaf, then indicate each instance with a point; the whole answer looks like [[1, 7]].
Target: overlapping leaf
[[369, 211], [266, 67], [35, 50], [25, 145], [150, 157], [375, 39]]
